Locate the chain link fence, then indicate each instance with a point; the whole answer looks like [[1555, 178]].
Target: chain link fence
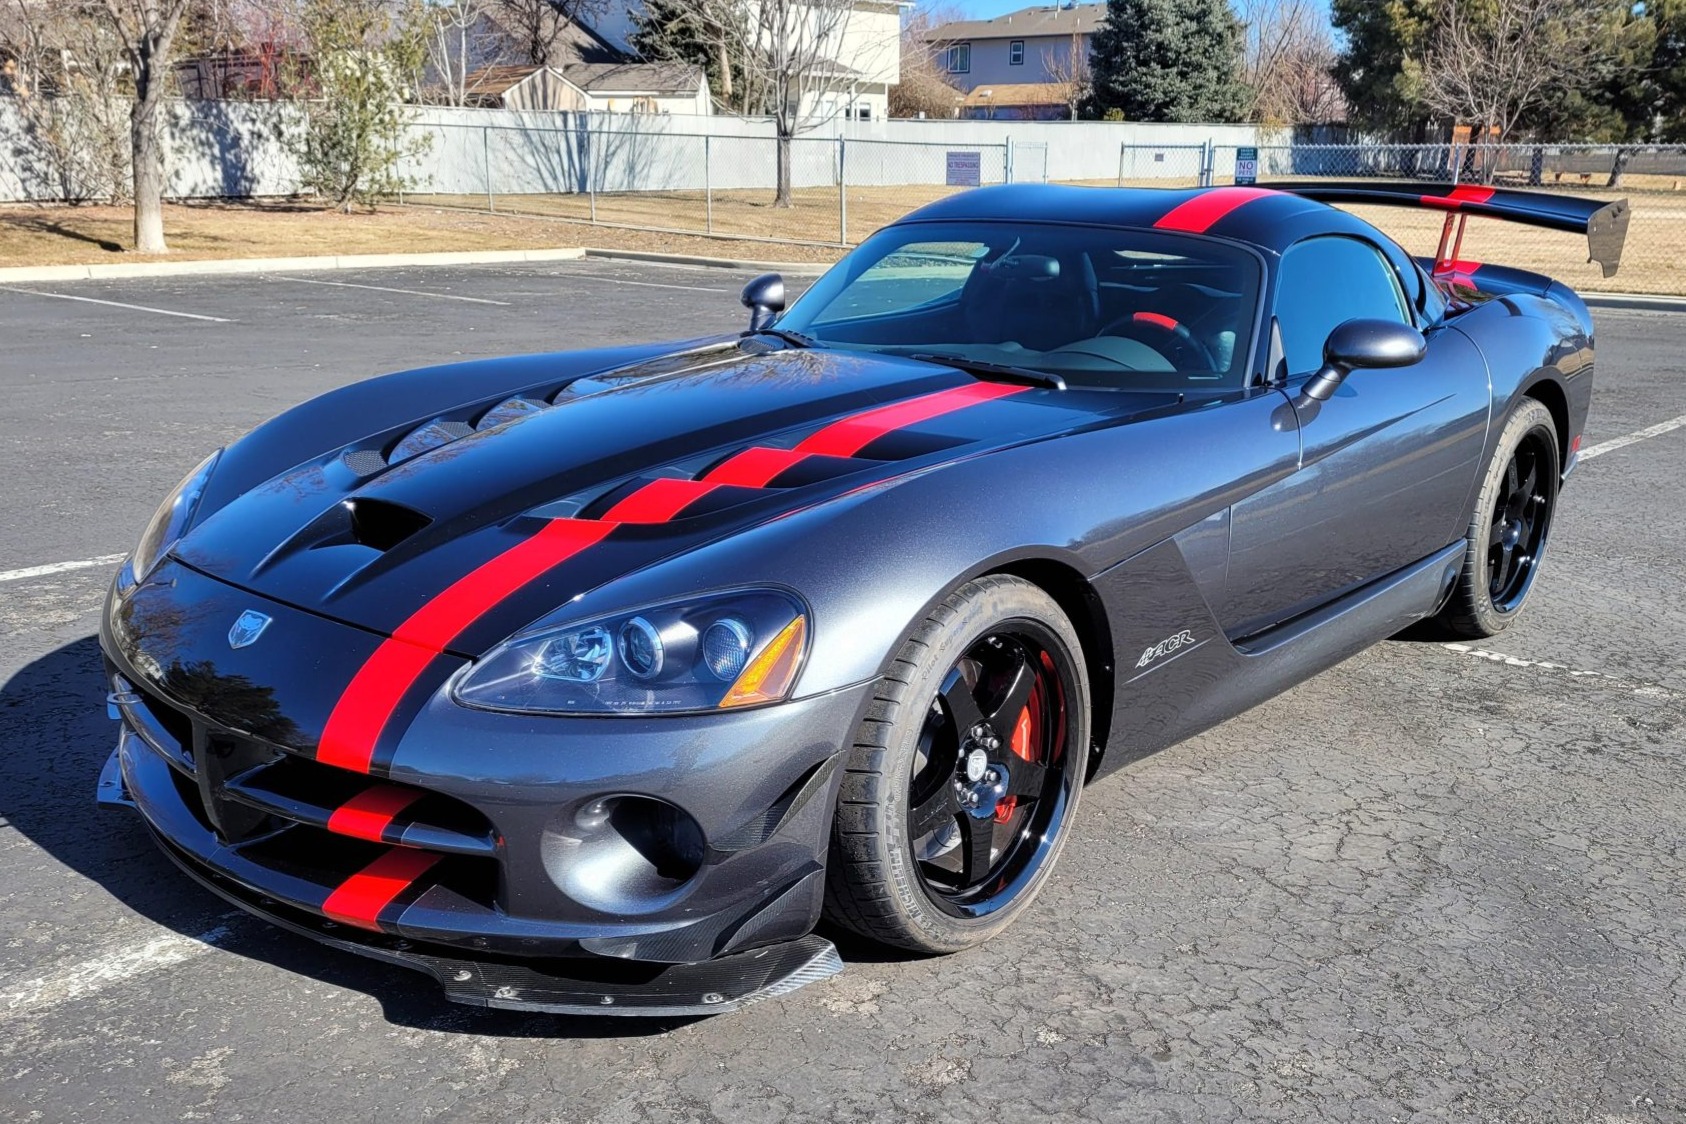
[[839, 189]]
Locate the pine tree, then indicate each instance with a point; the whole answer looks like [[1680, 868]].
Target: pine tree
[[1168, 60]]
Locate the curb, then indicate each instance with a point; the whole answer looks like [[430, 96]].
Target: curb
[[199, 268], [805, 267], [1635, 302]]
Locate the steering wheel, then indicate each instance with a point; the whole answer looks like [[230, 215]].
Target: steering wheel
[[1154, 329]]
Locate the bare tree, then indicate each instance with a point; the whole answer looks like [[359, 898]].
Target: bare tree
[[1490, 65], [1069, 69], [924, 88], [146, 29], [788, 54], [1286, 66], [459, 43], [537, 25]]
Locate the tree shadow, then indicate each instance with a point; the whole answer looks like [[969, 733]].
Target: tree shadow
[[59, 230], [57, 736]]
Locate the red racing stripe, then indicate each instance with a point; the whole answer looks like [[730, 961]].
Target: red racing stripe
[[659, 500], [371, 812], [1463, 193], [847, 437], [354, 727], [1158, 318], [754, 468], [359, 899], [1201, 213]]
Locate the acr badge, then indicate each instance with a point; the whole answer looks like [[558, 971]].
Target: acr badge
[[247, 628]]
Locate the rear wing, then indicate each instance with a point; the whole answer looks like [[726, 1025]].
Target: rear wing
[[1604, 224]]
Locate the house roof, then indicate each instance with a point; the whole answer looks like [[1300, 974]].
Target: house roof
[[1047, 19], [594, 78], [1017, 94], [634, 77]]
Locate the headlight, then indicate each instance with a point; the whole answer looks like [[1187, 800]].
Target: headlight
[[707, 653], [171, 520]]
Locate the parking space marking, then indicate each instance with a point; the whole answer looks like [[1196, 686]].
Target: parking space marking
[[659, 285], [59, 567], [120, 304], [1636, 436], [1647, 690], [25, 996], [385, 289]]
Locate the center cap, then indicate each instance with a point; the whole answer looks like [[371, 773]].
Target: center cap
[[977, 763]]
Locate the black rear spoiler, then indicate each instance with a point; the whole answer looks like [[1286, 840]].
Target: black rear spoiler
[[1604, 224]]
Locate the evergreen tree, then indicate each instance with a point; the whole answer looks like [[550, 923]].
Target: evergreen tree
[[1371, 69], [684, 31], [1168, 60]]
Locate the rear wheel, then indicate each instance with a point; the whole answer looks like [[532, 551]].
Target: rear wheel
[[961, 786], [1510, 527]]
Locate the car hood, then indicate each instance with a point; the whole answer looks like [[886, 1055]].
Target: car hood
[[369, 533]]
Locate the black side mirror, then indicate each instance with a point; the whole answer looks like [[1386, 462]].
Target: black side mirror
[[1359, 345], [764, 297]]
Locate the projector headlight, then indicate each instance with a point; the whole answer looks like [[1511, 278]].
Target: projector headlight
[[171, 521], [714, 652]]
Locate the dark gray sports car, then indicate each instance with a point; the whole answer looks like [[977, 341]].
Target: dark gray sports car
[[594, 681]]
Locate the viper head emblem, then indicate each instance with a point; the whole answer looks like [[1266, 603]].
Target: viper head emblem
[[247, 627]]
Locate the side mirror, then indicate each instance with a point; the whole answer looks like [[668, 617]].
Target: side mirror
[[764, 297], [1359, 345]]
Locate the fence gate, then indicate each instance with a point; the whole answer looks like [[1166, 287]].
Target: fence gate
[[1029, 163]]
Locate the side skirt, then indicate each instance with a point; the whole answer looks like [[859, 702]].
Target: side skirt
[[1178, 673]]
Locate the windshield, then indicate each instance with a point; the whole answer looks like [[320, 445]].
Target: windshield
[[1133, 309]]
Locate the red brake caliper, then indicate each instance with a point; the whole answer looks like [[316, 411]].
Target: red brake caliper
[[1026, 733]]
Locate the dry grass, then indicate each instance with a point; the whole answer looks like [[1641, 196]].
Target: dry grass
[[674, 222]]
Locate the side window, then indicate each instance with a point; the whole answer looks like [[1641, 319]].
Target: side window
[[1325, 282]]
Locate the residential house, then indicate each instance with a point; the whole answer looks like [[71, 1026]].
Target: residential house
[[1029, 47], [854, 79], [601, 87]]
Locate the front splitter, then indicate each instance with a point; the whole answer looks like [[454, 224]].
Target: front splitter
[[585, 985]]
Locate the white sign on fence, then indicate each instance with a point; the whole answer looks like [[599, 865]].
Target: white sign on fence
[[1246, 166], [965, 169]]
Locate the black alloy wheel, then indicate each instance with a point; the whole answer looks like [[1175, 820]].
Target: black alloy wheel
[[1509, 528], [964, 778]]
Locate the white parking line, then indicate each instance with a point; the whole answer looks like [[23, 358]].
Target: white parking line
[[1638, 435], [24, 996], [385, 289], [120, 304], [58, 567], [659, 285]]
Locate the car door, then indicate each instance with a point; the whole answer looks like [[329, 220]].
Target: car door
[[1387, 465]]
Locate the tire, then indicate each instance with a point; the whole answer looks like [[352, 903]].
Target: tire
[[937, 788], [1509, 528]]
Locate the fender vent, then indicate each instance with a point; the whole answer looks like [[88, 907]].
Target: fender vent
[[381, 523]]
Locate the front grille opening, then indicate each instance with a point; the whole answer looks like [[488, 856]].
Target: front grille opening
[[320, 858], [382, 524], [173, 721]]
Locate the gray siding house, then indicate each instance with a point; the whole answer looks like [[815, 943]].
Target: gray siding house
[[1028, 47]]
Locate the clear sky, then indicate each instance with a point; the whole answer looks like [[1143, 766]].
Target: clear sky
[[984, 9]]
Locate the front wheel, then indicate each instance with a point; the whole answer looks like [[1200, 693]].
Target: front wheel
[[1509, 528], [960, 789]]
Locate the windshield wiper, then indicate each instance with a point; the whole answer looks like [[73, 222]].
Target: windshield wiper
[[984, 368], [794, 339]]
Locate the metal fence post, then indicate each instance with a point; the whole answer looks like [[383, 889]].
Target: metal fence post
[[486, 163], [842, 193], [1007, 160], [591, 167], [1121, 148], [708, 185]]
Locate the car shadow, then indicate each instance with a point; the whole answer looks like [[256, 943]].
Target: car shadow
[[56, 738]]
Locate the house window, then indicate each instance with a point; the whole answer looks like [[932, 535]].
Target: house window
[[1015, 53], [863, 113], [960, 58]]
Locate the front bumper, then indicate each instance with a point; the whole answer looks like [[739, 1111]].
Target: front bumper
[[517, 904]]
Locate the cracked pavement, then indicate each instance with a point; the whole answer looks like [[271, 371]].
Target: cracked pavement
[[1434, 883]]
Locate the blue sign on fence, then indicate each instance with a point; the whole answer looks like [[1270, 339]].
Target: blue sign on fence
[[965, 169], [1246, 166]]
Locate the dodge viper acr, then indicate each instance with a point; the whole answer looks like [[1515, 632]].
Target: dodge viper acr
[[594, 681]]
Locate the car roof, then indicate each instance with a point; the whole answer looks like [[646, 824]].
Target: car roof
[[1269, 219]]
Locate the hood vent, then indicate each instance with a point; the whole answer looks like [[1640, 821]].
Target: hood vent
[[439, 431], [382, 524]]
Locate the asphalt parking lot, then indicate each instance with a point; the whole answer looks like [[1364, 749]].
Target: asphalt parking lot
[[1431, 884]]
